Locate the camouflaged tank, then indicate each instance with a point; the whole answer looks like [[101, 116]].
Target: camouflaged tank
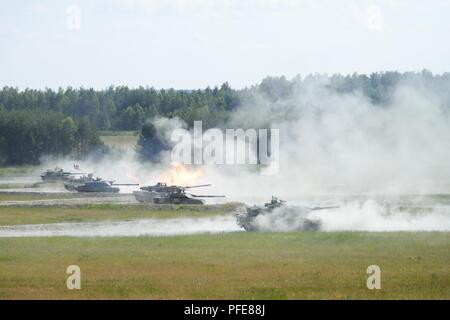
[[73, 182], [100, 185], [161, 193], [57, 174], [269, 216]]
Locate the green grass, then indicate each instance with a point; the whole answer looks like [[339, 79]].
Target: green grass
[[229, 266], [118, 133], [414, 265], [119, 139], [17, 170], [99, 212]]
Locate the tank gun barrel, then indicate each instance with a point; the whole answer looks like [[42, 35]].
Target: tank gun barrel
[[197, 186], [205, 196], [324, 208], [125, 184]]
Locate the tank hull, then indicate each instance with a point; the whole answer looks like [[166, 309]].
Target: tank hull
[[169, 200], [164, 198], [71, 186], [276, 216], [93, 189], [301, 225], [144, 196]]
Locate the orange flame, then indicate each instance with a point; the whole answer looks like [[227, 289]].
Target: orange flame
[[180, 174]]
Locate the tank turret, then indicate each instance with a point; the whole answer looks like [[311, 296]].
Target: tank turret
[[58, 174], [100, 185]]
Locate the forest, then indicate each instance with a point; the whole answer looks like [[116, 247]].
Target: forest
[[66, 121]]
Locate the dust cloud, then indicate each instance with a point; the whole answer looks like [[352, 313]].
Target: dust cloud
[[331, 144], [135, 228]]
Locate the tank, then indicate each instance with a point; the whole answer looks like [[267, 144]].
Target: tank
[[276, 215], [97, 185], [58, 174], [176, 198], [100, 185], [75, 181], [162, 193]]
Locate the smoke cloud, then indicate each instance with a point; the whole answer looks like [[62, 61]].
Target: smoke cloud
[[331, 144], [368, 215]]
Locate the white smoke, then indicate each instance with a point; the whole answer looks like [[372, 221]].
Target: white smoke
[[135, 228], [372, 216], [284, 220], [368, 215], [331, 144]]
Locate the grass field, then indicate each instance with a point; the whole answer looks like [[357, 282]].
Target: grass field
[[119, 139], [102, 212], [235, 266], [32, 196], [17, 170]]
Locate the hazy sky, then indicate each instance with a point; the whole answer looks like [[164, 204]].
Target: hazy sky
[[195, 43]]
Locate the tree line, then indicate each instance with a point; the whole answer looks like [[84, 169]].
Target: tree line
[[26, 136], [124, 108], [65, 121]]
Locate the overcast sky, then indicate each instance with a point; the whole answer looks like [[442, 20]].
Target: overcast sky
[[190, 44]]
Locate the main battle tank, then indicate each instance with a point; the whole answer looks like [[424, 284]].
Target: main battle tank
[[277, 216], [100, 185], [57, 174], [74, 181], [162, 193]]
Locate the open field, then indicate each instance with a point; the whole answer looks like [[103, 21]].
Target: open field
[[120, 139], [36, 197], [109, 212], [17, 170], [229, 265], [16, 196], [235, 265]]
